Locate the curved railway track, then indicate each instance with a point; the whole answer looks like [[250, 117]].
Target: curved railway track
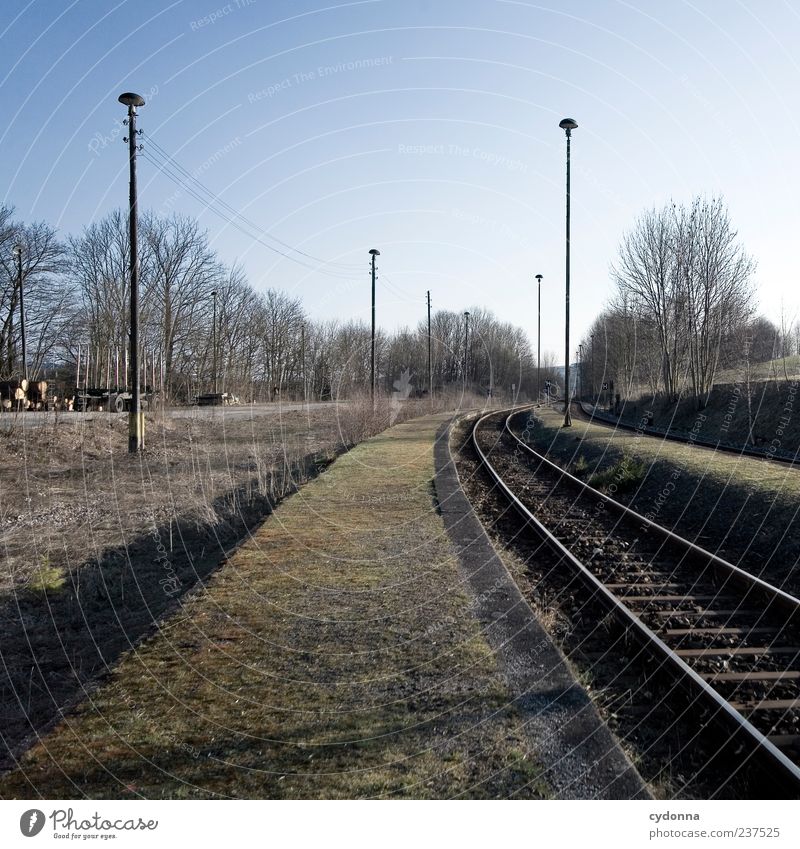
[[611, 422], [727, 638]]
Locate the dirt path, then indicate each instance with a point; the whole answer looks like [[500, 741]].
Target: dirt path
[[334, 655]]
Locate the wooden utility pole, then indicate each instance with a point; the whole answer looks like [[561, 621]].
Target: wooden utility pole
[[430, 361], [303, 358], [18, 252], [373, 253], [214, 340]]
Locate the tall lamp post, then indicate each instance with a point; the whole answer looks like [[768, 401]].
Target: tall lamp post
[[539, 344], [580, 382], [214, 339], [466, 347], [135, 416], [373, 253], [568, 125], [591, 336], [20, 279]]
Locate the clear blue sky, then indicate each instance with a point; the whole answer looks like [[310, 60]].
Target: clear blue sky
[[426, 129]]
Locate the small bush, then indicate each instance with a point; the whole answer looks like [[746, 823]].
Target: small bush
[[581, 467], [626, 474], [46, 577]]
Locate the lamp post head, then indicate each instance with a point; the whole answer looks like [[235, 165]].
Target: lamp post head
[[539, 277], [568, 125], [17, 250], [131, 100], [375, 252], [466, 315]]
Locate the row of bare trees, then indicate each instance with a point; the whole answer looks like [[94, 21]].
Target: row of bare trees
[[683, 309], [77, 304]]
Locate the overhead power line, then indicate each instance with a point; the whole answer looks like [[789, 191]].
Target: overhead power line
[[175, 172], [217, 199]]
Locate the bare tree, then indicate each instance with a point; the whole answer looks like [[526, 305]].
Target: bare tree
[[683, 273], [183, 272], [47, 293], [718, 287]]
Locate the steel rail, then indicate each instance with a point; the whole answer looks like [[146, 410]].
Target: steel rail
[[785, 600], [740, 729]]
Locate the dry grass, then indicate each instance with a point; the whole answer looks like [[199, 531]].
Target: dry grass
[[335, 655], [98, 546], [776, 369]]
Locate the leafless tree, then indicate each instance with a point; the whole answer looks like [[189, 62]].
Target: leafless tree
[[47, 293], [182, 272], [718, 288], [687, 279]]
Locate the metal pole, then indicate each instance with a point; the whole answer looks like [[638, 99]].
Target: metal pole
[[579, 385], [214, 340], [430, 361], [568, 125], [135, 417], [22, 313], [592, 380], [374, 253], [567, 416], [539, 343]]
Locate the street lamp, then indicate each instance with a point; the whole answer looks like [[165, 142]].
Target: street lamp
[[591, 336], [373, 253], [466, 347], [135, 417], [568, 125], [539, 344], [18, 254], [579, 380]]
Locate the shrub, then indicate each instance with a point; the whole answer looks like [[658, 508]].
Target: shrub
[[581, 467], [626, 474]]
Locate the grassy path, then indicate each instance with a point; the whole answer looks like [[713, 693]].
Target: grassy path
[[333, 655]]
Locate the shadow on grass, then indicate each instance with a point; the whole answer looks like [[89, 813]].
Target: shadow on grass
[[58, 639], [408, 755]]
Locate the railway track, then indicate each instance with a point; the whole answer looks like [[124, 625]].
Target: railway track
[[609, 421], [727, 638]]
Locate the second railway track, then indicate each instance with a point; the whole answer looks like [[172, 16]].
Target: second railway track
[[728, 639]]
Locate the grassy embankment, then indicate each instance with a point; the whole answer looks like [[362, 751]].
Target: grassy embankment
[[334, 655], [742, 508], [764, 415]]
